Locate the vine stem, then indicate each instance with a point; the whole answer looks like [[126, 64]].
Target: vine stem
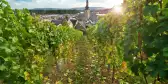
[[156, 79], [140, 37], [145, 79], [113, 74], [160, 2]]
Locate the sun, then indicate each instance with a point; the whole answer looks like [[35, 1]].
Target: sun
[[112, 3], [118, 9]]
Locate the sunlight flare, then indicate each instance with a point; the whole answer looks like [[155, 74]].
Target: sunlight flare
[[111, 3], [118, 9]]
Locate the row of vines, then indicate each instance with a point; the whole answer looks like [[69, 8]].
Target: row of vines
[[133, 45], [29, 46]]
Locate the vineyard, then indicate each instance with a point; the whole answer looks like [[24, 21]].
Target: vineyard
[[122, 48]]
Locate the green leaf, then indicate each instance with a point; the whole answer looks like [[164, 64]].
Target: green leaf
[[1, 11], [150, 51], [153, 73], [165, 3], [165, 11], [2, 61], [162, 73], [16, 67], [135, 69], [165, 52], [14, 39], [163, 26], [34, 66], [151, 9], [2, 67]]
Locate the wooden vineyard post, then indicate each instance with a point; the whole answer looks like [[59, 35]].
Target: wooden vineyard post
[[142, 54]]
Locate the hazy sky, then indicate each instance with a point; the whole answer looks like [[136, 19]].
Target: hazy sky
[[61, 3]]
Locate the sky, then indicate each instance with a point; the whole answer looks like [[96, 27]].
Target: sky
[[19, 4]]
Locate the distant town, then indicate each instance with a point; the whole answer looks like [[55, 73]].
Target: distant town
[[79, 18]]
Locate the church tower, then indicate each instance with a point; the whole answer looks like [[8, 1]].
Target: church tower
[[87, 5], [87, 10]]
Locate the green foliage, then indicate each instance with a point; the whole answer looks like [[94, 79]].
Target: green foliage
[[26, 43], [130, 48], [142, 42]]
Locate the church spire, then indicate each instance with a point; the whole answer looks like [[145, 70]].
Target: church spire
[[87, 5]]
